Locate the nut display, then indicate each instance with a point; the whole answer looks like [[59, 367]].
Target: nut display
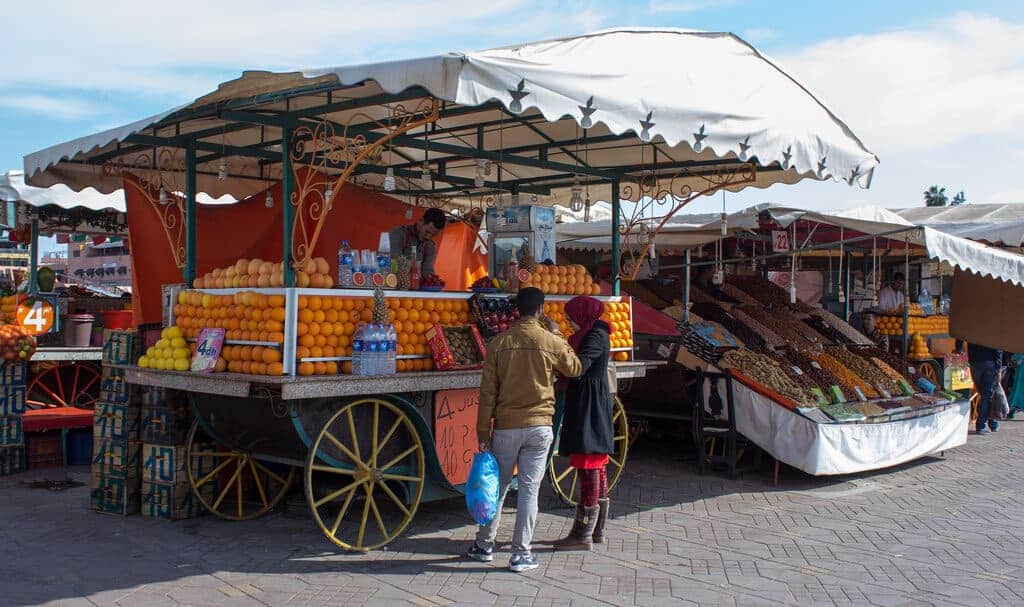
[[894, 362], [463, 347], [761, 289], [771, 338], [779, 327], [738, 294], [846, 377], [821, 376], [769, 373], [864, 369], [852, 335], [715, 313]]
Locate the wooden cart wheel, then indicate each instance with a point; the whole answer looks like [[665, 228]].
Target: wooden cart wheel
[[929, 370], [231, 483], [565, 479], [71, 384], [365, 474]]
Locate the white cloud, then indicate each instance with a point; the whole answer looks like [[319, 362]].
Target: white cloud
[[759, 35], [59, 108], [686, 6]]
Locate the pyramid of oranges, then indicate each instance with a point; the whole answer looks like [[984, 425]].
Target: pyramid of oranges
[[562, 280], [256, 273]]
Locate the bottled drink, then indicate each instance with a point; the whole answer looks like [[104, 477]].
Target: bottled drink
[[414, 272], [512, 273], [346, 264], [376, 352], [358, 350], [384, 253], [392, 351]]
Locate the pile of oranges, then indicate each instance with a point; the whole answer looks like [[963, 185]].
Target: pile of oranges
[[244, 316], [562, 280], [256, 273], [616, 314]]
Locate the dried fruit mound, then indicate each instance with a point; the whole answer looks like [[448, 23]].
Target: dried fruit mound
[[761, 289], [867, 370], [715, 313], [846, 377], [769, 373]]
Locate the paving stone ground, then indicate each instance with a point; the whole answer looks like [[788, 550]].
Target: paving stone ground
[[940, 531]]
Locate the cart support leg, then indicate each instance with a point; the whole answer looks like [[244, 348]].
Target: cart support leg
[[190, 213], [616, 239], [287, 212]]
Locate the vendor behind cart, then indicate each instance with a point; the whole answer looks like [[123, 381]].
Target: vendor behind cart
[[421, 236]]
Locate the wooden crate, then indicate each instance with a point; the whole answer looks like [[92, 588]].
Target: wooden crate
[[115, 494], [12, 460], [165, 425], [13, 374], [12, 400], [11, 434], [173, 501], [120, 347], [116, 457], [116, 421], [166, 463], [113, 387]]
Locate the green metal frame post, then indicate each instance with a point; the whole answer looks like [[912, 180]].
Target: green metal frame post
[[616, 240], [33, 259], [288, 213], [189, 273]]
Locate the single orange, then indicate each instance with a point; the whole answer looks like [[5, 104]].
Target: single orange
[[275, 369], [306, 369]]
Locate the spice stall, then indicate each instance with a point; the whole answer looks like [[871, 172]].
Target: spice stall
[[325, 158]]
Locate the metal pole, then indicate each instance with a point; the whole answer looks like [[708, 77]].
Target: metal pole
[[189, 273], [288, 213], [686, 289], [847, 287], [33, 258], [906, 299], [616, 242]]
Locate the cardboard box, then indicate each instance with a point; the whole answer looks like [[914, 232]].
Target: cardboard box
[[12, 400], [120, 347], [11, 434], [166, 463], [113, 387], [174, 501], [13, 374], [984, 311], [116, 457], [115, 494], [439, 338], [941, 346], [12, 460], [116, 421], [165, 425]]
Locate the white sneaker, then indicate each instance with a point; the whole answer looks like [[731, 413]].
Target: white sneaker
[[520, 563]]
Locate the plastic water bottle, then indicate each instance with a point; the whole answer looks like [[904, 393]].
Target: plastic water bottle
[[384, 253], [358, 347], [346, 263], [392, 351], [372, 355]]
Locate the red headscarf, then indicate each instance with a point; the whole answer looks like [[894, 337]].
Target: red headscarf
[[584, 311]]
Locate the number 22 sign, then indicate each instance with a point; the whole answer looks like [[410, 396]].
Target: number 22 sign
[[207, 350], [780, 240]]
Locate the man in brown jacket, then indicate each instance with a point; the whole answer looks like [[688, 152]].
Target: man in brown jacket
[[517, 399]]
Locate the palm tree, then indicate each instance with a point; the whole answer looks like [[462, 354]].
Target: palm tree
[[935, 197], [960, 198]]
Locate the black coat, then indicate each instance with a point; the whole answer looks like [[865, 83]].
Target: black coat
[[587, 423]]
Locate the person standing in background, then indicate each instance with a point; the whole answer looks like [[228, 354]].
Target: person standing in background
[[985, 366], [890, 297]]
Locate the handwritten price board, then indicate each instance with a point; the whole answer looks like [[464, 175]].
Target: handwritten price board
[[455, 432], [207, 350]]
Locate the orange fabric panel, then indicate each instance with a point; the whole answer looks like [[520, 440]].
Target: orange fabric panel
[[247, 229]]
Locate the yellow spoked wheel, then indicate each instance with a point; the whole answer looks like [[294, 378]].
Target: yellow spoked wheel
[[232, 483], [364, 475], [565, 479], [929, 370]]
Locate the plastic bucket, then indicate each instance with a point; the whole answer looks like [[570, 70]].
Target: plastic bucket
[[117, 319], [78, 330]]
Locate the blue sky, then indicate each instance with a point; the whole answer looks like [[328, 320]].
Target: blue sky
[[933, 88]]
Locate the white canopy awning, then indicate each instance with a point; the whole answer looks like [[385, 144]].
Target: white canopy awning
[[14, 189], [694, 100], [992, 223]]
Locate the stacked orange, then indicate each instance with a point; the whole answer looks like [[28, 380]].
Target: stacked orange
[[617, 315], [256, 273], [562, 280], [257, 360], [9, 307], [244, 316]]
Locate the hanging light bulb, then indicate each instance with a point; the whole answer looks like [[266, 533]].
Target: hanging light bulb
[[329, 194], [389, 180], [576, 199], [479, 178], [586, 208], [268, 201], [163, 195], [425, 175], [725, 224], [222, 170]]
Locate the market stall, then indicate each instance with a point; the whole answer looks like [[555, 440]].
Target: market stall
[[470, 133]]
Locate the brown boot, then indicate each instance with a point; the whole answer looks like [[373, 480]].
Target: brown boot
[[582, 530], [603, 506]]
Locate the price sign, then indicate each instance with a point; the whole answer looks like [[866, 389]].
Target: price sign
[[455, 432], [780, 240], [207, 350], [37, 316]]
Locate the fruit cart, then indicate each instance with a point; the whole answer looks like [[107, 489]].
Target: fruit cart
[[366, 449]]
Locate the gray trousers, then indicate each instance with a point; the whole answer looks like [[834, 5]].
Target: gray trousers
[[527, 449]]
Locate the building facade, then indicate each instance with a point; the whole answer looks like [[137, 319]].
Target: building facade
[[105, 264]]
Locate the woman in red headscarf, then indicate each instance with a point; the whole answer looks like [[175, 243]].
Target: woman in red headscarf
[[586, 436]]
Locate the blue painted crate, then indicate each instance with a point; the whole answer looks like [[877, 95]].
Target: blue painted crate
[[13, 374], [79, 447], [12, 460], [120, 347], [151, 396], [115, 494], [12, 400], [10, 431], [173, 501], [114, 388], [166, 463], [116, 421], [116, 458]]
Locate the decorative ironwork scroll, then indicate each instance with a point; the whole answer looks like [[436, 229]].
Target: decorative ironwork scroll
[[159, 175], [315, 148], [658, 199]]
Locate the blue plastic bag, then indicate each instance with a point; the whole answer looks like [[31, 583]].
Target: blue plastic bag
[[482, 488]]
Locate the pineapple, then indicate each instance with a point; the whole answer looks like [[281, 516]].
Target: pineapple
[[381, 315], [526, 262], [403, 265]]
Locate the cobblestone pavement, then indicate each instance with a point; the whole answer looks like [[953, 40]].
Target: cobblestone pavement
[[942, 531]]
